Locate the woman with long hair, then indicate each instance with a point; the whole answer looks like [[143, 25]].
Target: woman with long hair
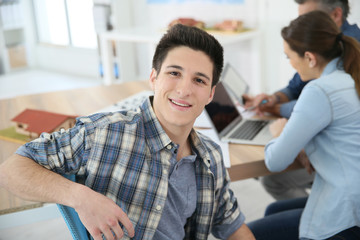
[[325, 128]]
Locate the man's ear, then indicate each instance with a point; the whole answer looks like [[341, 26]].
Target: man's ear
[[337, 16], [311, 58], [152, 79], [211, 95]]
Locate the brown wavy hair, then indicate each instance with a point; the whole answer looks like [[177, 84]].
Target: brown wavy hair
[[316, 32]]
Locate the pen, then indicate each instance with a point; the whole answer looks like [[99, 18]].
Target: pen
[[253, 107]]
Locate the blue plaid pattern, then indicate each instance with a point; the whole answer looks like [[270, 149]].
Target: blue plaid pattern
[[123, 155]]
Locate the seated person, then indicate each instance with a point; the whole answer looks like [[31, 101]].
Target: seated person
[[325, 122], [295, 183], [148, 173]]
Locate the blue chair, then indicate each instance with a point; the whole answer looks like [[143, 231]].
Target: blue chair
[[72, 220]]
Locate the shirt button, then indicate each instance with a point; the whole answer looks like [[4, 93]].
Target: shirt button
[[165, 172], [158, 207], [169, 146]]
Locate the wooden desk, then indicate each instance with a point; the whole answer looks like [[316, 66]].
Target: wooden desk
[[246, 161]]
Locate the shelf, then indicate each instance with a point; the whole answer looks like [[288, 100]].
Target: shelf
[[152, 37], [12, 36], [17, 27]]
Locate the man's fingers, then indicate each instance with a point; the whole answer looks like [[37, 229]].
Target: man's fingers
[[108, 233], [96, 234], [125, 221]]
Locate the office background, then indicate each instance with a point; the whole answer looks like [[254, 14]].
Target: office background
[[272, 71], [268, 72]]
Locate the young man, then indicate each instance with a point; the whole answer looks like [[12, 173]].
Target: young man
[[294, 183], [148, 169]]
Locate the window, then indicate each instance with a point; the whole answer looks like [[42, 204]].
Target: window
[[65, 22]]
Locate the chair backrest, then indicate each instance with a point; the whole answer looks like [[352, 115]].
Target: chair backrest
[[72, 220]]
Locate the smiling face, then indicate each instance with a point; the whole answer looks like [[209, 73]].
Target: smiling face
[[182, 88]]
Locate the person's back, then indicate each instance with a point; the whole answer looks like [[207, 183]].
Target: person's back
[[298, 182], [325, 123]]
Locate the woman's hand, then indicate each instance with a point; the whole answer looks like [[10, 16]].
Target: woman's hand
[[305, 162], [277, 126]]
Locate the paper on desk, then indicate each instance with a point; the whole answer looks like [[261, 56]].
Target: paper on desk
[[245, 114], [224, 146]]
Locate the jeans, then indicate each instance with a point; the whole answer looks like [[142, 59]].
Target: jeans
[[282, 219]]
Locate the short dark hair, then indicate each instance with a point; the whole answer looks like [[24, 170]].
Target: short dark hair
[[194, 38], [329, 5]]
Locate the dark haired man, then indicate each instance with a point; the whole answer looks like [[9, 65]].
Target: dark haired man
[[148, 169]]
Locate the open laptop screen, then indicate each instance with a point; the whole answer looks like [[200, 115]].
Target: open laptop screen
[[234, 83], [222, 111]]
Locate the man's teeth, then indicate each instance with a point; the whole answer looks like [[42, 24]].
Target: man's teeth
[[180, 104]]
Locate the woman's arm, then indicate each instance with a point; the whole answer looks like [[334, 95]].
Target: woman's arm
[[311, 115]]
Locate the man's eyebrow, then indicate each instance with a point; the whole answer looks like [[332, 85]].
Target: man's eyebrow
[[181, 68]]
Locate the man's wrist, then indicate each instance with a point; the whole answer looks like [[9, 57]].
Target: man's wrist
[[276, 98]]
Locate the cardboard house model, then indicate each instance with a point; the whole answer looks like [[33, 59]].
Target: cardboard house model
[[33, 122]]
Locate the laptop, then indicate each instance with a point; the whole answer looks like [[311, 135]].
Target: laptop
[[227, 120], [234, 83]]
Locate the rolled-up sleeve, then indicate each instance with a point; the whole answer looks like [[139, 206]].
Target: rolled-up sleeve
[[228, 217], [65, 151]]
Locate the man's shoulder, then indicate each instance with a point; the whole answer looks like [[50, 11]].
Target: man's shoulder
[[107, 118], [351, 30]]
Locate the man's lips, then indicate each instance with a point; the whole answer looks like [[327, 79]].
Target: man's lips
[[180, 103]]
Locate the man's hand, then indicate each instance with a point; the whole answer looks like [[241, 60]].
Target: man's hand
[[100, 215], [261, 103], [305, 162]]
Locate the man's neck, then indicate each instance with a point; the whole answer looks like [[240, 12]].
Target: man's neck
[[181, 137]]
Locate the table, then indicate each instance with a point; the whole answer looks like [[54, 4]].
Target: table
[[246, 161]]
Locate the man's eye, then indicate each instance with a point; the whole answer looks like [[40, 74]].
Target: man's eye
[[199, 80], [174, 73]]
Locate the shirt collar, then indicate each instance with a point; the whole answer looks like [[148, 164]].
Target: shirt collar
[[333, 65], [156, 135]]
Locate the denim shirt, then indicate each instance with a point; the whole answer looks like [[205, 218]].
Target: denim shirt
[[126, 156], [326, 122], [296, 85]]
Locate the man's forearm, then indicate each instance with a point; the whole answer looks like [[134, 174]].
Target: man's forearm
[[280, 97], [27, 179]]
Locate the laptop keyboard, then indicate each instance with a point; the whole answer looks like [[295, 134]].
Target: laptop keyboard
[[249, 129]]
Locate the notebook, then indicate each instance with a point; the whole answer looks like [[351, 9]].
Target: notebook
[[227, 120]]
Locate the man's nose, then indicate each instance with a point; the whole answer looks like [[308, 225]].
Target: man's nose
[[184, 86]]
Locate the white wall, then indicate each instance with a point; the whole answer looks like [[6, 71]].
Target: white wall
[[75, 61], [156, 17], [277, 70], [267, 15]]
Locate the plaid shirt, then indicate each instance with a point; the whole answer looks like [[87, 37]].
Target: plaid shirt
[[126, 156]]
